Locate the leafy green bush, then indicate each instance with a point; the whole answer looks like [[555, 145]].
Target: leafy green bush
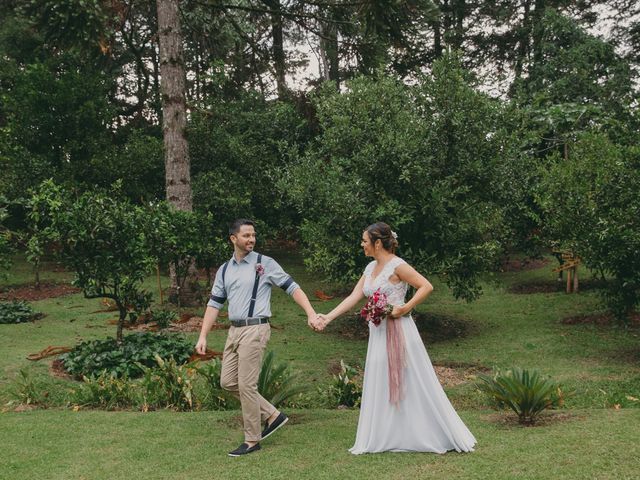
[[276, 382], [164, 318], [17, 312], [344, 390], [101, 238], [592, 207], [93, 357], [427, 159], [105, 391], [168, 385], [525, 392], [27, 389]]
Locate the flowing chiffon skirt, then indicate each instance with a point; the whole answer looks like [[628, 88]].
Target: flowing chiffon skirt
[[424, 420]]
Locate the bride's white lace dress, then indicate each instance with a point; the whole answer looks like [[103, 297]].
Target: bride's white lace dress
[[424, 420]]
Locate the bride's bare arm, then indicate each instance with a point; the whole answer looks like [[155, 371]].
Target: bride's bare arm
[[407, 273], [348, 303]]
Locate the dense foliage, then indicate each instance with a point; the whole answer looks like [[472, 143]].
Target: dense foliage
[[400, 132], [17, 312], [423, 158], [99, 237], [92, 357], [592, 204]]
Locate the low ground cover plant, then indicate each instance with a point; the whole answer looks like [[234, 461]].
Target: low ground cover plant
[[93, 357]]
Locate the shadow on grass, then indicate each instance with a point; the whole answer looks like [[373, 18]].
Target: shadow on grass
[[553, 286], [435, 327], [546, 419], [432, 327]]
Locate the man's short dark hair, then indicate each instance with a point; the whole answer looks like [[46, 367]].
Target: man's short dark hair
[[234, 228]]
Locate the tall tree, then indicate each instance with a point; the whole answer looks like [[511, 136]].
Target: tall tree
[[174, 121], [174, 109]]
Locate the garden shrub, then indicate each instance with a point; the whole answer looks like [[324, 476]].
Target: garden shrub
[[214, 396], [93, 357], [105, 391], [345, 389], [168, 385], [276, 382], [17, 312], [164, 318], [525, 392]]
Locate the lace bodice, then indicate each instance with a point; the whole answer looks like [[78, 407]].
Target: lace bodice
[[395, 292]]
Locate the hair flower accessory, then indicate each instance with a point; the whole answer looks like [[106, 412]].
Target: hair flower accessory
[[394, 234], [259, 269]]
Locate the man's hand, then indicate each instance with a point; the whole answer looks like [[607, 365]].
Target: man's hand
[[321, 322], [312, 321], [201, 346]]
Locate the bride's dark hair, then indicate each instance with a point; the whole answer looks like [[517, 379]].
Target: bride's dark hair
[[381, 231]]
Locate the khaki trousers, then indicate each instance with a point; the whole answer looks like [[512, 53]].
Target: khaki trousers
[[241, 364]]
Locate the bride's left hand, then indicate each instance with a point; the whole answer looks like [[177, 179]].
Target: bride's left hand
[[397, 312]]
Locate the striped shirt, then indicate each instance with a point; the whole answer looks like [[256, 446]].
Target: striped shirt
[[239, 279]]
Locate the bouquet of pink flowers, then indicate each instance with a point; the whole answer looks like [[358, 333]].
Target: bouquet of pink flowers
[[377, 308]]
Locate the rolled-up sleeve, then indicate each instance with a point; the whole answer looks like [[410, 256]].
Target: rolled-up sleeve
[[278, 277], [218, 293]]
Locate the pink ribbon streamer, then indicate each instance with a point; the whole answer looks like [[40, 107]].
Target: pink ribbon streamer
[[396, 359]]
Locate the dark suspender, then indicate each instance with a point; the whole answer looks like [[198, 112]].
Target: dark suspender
[[252, 303]]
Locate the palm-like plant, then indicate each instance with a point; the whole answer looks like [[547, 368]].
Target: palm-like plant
[[525, 392], [277, 383]]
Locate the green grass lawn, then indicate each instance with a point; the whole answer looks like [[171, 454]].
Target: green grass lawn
[[590, 440]]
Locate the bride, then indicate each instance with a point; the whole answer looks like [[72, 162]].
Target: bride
[[404, 407]]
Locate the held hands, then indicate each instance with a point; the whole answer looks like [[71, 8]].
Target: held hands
[[318, 322], [321, 322]]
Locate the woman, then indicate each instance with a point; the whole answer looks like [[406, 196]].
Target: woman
[[404, 407]]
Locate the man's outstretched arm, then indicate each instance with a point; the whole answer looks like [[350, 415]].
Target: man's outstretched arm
[[301, 299]]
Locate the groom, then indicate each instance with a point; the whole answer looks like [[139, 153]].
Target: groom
[[245, 281]]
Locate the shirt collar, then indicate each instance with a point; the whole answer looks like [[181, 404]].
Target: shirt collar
[[246, 259]]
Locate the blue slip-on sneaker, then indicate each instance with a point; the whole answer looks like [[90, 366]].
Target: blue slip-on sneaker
[[244, 449], [275, 425]]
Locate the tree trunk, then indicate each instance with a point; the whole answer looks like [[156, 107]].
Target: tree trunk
[[437, 33], [329, 52], [121, 319], [277, 37], [174, 119]]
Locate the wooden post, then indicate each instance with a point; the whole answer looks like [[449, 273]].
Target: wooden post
[[569, 280], [575, 279]]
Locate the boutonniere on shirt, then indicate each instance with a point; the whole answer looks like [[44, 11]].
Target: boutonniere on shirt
[[259, 269]]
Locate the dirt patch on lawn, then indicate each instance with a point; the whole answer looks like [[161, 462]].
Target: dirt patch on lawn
[[602, 319], [453, 374], [553, 286], [30, 293], [450, 374]]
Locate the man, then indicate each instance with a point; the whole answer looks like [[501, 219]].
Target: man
[[246, 281]]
